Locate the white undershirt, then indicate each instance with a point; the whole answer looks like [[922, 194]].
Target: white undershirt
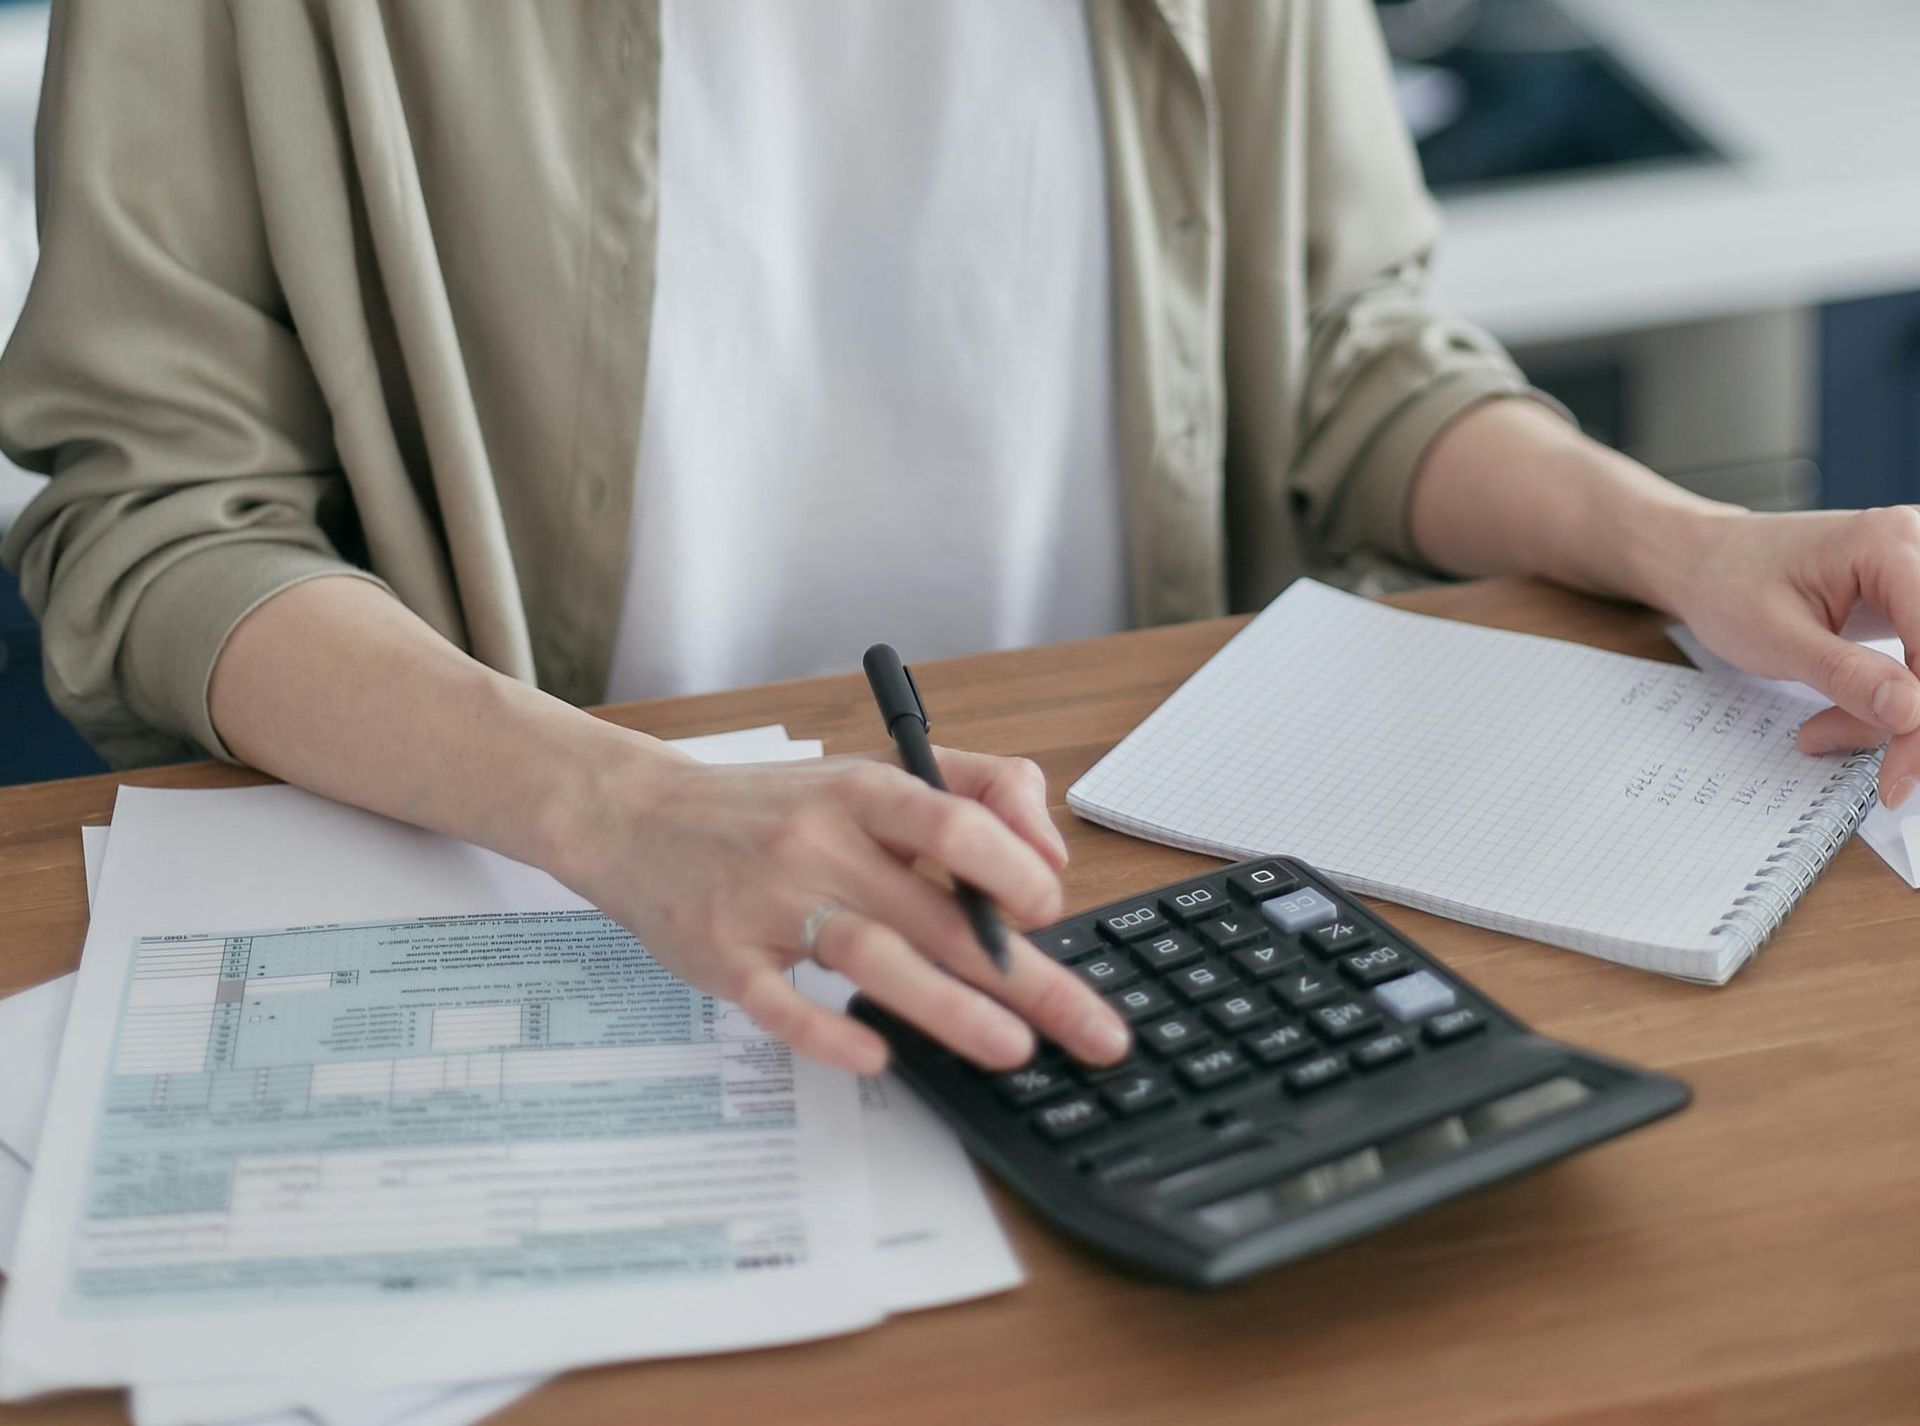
[[879, 399]]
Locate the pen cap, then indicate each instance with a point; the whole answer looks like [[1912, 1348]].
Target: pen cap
[[893, 687]]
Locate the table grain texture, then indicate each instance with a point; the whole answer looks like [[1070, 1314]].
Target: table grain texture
[[1755, 1259]]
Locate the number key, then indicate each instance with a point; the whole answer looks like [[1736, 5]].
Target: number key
[[1137, 1002], [1132, 922], [1240, 1011], [1226, 933], [1303, 987], [1165, 953], [1173, 1035], [1257, 883], [1195, 901], [1201, 982], [1264, 962], [1107, 972]]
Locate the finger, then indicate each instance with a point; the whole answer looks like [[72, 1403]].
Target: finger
[[1876, 690], [1050, 997], [812, 1030], [1054, 1000], [963, 837], [1834, 730], [1837, 731], [1887, 573], [1900, 770], [1013, 789], [894, 975]]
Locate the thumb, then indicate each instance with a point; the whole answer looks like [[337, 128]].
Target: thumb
[[1879, 691]]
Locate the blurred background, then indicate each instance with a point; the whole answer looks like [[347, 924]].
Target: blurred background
[[1697, 222]]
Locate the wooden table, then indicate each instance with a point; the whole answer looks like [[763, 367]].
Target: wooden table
[[1754, 1259]]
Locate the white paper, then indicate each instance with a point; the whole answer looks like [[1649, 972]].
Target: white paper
[[13, 1198], [205, 864], [1892, 835], [939, 1241], [30, 1027]]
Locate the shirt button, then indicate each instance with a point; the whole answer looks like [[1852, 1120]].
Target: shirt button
[[594, 493]]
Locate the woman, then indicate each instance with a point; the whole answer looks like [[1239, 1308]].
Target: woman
[[413, 374]]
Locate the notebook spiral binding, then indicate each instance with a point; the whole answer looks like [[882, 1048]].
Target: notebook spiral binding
[[1803, 854]]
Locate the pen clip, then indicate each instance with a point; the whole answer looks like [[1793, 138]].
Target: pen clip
[[919, 703]]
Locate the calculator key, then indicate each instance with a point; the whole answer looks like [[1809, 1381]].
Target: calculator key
[[1130, 923], [1280, 1043], [1226, 933], [1100, 1074], [1069, 942], [1304, 987], [1164, 953], [1201, 982], [1265, 962], [1107, 972], [1298, 910], [1173, 1035], [1312, 1074], [1138, 1092], [1032, 1083], [1070, 1118], [1257, 883], [1416, 996], [1337, 937], [1137, 1002], [1219, 1064], [1240, 1011], [1344, 1019], [1384, 962], [1451, 1025], [1382, 1049], [1195, 901]]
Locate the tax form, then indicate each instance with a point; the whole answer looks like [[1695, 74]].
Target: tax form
[[428, 1119]]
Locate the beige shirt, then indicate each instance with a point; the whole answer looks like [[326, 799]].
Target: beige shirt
[[330, 286]]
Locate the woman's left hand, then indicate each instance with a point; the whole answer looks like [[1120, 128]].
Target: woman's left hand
[[1771, 592]]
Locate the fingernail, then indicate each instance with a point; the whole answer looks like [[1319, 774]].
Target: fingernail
[[1897, 794], [1104, 1036], [1009, 1042], [1896, 705]]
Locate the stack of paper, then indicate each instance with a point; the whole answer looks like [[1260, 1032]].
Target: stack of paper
[[356, 1124]]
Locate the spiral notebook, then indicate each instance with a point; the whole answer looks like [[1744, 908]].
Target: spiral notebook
[[1644, 812]]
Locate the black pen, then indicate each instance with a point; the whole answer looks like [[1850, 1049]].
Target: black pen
[[906, 719]]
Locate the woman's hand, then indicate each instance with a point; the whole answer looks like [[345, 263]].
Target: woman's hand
[[718, 869], [1770, 593]]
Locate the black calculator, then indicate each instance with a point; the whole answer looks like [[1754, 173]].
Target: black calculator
[[1302, 1073]]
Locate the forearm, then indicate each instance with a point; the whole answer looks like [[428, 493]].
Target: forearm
[[1509, 488], [335, 686]]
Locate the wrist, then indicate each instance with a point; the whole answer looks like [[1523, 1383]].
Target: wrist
[[598, 778], [1666, 543]]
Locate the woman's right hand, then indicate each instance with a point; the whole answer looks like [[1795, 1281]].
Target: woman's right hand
[[717, 870]]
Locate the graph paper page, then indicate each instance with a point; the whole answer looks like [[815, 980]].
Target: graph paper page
[[1610, 804]]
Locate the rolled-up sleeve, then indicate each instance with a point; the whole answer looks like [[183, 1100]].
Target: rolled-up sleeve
[[1385, 371], [156, 376]]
